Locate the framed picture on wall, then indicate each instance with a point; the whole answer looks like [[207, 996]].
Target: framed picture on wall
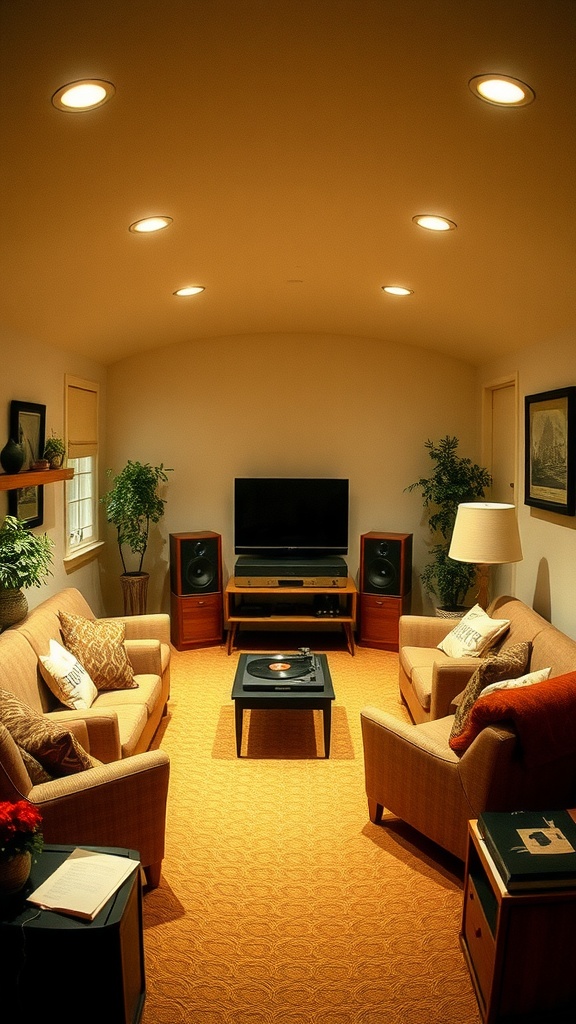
[[28, 428], [550, 423]]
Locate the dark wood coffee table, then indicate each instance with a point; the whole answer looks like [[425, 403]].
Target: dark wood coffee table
[[315, 700]]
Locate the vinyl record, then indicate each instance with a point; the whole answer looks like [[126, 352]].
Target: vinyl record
[[279, 667]]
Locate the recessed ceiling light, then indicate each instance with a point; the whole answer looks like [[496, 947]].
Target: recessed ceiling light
[[84, 95], [189, 290], [395, 289], [433, 223], [149, 224], [501, 90]]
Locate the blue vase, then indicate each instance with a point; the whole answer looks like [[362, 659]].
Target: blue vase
[[12, 457]]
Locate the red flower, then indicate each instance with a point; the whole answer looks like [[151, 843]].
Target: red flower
[[19, 828]]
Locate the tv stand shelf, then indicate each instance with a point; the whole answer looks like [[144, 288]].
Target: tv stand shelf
[[293, 606]]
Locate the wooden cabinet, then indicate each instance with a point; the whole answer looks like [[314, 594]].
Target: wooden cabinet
[[519, 947], [293, 606], [379, 619], [195, 621]]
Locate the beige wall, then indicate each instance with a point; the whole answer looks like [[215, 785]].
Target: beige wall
[[290, 406], [33, 373], [545, 577]]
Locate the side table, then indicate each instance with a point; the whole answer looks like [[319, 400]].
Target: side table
[[87, 970], [518, 946]]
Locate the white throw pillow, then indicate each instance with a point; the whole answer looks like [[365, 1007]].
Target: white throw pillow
[[67, 679], [474, 634], [511, 684]]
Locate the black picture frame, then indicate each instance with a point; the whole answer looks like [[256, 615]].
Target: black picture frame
[[28, 427], [550, 424]]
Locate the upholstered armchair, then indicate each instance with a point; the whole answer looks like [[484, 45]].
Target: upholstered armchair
[[522, 756], [119, 804]]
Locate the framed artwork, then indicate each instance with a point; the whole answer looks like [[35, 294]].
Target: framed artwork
[[28, 428], [550, 422]]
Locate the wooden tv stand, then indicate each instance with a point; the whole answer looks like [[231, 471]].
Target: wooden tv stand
[[288, 605]]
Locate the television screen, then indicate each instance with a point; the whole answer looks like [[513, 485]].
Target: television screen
[[290, 516]]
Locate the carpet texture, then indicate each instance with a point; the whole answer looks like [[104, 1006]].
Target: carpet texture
[[280, 902]]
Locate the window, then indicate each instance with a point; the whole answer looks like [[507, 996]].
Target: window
[[82, 490]]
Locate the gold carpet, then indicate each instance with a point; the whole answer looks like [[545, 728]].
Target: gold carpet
[[280, 902]]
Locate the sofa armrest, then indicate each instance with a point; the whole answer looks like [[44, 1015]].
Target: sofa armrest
[[144, 656], [152, 626], [97, 731], [449, 678], [423, 630], [121, 804]]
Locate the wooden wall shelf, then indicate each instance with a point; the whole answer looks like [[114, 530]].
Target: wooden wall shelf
[[33, 478]]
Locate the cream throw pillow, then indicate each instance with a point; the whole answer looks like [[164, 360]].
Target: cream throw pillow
[[511, 684], [67, 678], [475, 633]]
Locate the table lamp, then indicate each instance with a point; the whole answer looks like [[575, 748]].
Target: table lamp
[[485, 533]]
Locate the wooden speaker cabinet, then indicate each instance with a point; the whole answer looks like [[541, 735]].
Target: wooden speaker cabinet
[[385, 587], [195, 590]]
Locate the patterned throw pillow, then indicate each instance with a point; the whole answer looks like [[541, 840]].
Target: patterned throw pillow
[[509, 664], [474, 634], [50, 744], [67, 678], [99, 646]]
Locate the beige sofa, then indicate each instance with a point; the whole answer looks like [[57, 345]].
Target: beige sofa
[[123, 721], [411, 769], [121, 801], [430, 680]]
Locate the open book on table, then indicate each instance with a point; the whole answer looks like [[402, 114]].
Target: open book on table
[[84, 883]]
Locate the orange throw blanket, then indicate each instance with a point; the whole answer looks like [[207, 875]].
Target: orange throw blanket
[[543, 715]]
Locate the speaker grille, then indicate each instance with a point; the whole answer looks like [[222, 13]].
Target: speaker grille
[[195, 563], [386, 563]]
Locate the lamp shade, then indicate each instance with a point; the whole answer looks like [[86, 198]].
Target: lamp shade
[[486, 533]]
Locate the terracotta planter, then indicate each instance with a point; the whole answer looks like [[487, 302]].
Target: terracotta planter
[[14, 873]]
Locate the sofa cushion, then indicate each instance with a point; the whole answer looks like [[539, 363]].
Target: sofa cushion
[[67, 678], [509, 664], [99, 647], [51, 745], [474, 634]]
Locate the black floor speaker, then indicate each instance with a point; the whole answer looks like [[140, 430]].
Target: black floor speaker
[[195, 563], [386, 564]]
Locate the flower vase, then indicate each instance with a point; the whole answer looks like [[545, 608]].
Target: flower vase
[[12, 457], [14, 873]]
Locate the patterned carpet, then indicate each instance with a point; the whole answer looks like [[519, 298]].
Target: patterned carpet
[[280, 902]]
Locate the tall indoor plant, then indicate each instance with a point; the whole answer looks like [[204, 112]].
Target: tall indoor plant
[[132, 504], [25, 561], [453, 480]]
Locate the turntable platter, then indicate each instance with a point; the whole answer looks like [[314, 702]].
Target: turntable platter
[[280, 667]]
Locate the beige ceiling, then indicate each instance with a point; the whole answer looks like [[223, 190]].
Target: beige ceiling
[[292, 141]]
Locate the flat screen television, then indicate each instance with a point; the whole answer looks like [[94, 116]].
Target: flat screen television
[[290, 516]]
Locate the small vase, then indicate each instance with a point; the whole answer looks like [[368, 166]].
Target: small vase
[[13, 606], [12, 457], [14, 873]]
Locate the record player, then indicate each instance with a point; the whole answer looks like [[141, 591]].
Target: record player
[[301, 672]]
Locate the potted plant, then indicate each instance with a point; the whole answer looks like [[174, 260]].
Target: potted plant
[[54, 451], [132, 504], [20, 838], [454, 479], [25, 560]]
